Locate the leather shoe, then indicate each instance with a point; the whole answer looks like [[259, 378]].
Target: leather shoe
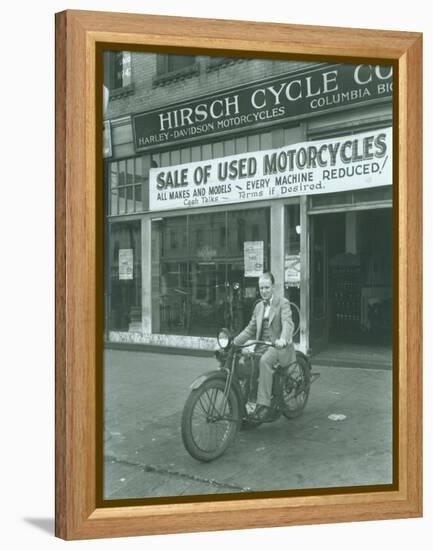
[[262, 413]]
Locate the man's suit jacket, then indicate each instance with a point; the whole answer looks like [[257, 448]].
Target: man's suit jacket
[[280, 326]]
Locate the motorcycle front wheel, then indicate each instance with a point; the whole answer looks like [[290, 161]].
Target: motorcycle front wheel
[[209, 421], [296, 388]]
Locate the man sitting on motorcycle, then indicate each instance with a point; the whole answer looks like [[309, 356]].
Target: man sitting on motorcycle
[[271, 321]]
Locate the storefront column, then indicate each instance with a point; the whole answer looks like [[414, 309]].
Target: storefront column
[[146, 252], [277, 246], [146, 277], [304, 324]]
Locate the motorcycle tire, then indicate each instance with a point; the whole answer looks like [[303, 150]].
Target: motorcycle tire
[[296, 388], [206, 432]]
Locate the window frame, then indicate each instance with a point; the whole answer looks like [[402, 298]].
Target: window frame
[[165, 75], [118, 91]]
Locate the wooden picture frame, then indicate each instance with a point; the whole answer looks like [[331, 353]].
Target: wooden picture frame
[[79, 35]]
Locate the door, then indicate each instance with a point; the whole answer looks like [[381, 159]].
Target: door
[[319, 319]]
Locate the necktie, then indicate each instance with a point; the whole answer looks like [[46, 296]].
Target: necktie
[[266, 303]]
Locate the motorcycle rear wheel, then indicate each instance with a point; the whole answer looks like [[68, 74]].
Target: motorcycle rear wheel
[[296, 388], [207, 429]]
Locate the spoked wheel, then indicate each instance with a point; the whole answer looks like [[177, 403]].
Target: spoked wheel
[[296, 387], [296, 318], [210, 421], [247, 424]]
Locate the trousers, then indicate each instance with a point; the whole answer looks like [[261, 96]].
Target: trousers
[[268, 360]]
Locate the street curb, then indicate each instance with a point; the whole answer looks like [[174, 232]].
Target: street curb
[[166, 350], [350, 364]]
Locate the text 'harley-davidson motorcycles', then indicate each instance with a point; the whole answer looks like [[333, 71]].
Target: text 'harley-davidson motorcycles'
[[222, 401]]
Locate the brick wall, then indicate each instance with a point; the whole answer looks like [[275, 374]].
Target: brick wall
[[146, 95]]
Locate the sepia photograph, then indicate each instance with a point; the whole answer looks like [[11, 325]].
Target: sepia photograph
[[248, 276], [213, 327]]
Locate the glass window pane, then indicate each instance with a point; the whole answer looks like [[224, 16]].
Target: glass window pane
[[114, 202], [138, 170], [206, 151], [123, 284], [205, 234], [138, 198], [292, 264], [122, 172], [241, 145], [374, 194], [165, 158], [113, 184], [328, 199], [229, 147], [129, 199], [129, 172], [250, 226], [114, 178], [126, 69], [195, 153], [198, 271], [218, 150], [253, 143], [170, 292], [118, 70], [207, 270], [122, 201], [178, 62], [266, 141], [185, 155], [175, 157]]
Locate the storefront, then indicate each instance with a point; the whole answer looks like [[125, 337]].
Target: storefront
[[290, 174]]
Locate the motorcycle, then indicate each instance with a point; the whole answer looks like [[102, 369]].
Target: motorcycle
[[222, 401]]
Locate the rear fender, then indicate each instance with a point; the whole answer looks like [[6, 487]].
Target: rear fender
[[301, 355]]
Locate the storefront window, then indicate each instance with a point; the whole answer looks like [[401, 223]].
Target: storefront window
[[201, 279], [123, 286], [292, 265]]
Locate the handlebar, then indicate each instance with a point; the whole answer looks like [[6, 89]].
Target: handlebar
[[255, 342]]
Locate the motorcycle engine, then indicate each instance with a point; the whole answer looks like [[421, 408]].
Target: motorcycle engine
[[245, 366]]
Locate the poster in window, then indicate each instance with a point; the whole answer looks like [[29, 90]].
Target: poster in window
[[292, 269], [253, 258], [126, 271]]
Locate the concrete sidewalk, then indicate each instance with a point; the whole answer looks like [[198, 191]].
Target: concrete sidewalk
[[145, 457]]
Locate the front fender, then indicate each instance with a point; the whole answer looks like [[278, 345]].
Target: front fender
[[202, 378]]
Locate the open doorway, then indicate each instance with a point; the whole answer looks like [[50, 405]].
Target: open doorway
[[351, 285]]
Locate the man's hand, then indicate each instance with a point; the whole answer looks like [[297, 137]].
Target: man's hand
[[280, 343]]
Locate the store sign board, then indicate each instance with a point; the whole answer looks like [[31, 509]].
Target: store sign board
[[359, 161], [299, 94], [253, 258], [126, 264]]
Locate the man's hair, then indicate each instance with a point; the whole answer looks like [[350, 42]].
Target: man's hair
[[269, 276]]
